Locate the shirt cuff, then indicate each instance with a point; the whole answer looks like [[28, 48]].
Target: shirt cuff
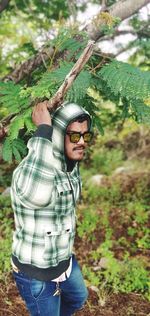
[[44, 131]]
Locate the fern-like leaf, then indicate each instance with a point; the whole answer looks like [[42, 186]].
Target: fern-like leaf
[[97, 123], [50, 81], [142, 112], [28, 120], [125, 80], [73, 47], [79, 88], [15, 126], [13, 148], [11, 97], [7, 150]]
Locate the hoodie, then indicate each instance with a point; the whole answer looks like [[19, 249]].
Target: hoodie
[[44, 195]]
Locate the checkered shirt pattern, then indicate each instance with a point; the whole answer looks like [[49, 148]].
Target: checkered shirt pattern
[[43, 197], [43, 207]]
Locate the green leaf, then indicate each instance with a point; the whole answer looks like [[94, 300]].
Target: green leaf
[[16, 153], [7, 150], [13, 149], [11, 97], [98, 124], [28, 120], [125, 80], [15, 126], [20, 145], [79, 88], [142, 112]]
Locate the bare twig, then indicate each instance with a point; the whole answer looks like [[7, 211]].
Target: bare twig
[[58, 98]]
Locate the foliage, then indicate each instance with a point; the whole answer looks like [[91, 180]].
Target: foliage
[[114, 218], [128, 81], [125, 80], [87, 225], [15, 147], [105, 161], [125, 277], [25, 23], [48, 9], [131, 86], [6, 236]]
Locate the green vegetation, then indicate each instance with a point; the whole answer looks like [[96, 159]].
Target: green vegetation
[[6, 227], [114, 221], [18, 98]]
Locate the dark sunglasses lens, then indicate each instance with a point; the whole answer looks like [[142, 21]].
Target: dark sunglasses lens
[[87, 137], [75, 137]]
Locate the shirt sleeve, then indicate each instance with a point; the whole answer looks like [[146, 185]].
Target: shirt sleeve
[[33, 179], [44, 131]]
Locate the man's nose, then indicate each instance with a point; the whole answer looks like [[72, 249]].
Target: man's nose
[[81, 140]]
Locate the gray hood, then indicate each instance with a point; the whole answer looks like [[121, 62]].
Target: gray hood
[[61, 118]]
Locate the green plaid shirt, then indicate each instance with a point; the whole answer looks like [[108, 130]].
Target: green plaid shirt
[[43, 198]]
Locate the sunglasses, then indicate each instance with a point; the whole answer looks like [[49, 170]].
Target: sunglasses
[[75, 136]]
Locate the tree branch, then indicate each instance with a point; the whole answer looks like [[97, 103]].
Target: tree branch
[[83, 59], [122, 10], [3, 5], [143, 31], [26, 68], [58, 98]]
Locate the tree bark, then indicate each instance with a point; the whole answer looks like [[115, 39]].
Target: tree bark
[[3, 5], [122, 9], [26, 68]]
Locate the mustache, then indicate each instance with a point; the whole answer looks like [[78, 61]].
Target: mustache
[[78, 147]]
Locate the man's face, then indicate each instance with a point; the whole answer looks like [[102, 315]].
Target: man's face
[[75, 151]]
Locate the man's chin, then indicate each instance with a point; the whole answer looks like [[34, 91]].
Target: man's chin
[[78, 157]]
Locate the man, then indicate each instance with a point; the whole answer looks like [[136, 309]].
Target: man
[[45, 189]]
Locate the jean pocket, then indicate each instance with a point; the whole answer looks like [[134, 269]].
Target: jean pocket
[[37, 287], [20, 284]]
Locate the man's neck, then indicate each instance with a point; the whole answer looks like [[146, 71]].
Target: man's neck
[[70, 164]]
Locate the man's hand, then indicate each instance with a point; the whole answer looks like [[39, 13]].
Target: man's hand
[[40, 114]]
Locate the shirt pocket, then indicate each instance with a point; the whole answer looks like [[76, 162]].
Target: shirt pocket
[[58, 244], [64, 203]]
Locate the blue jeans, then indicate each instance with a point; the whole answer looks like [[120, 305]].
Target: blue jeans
[[39, 299]]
